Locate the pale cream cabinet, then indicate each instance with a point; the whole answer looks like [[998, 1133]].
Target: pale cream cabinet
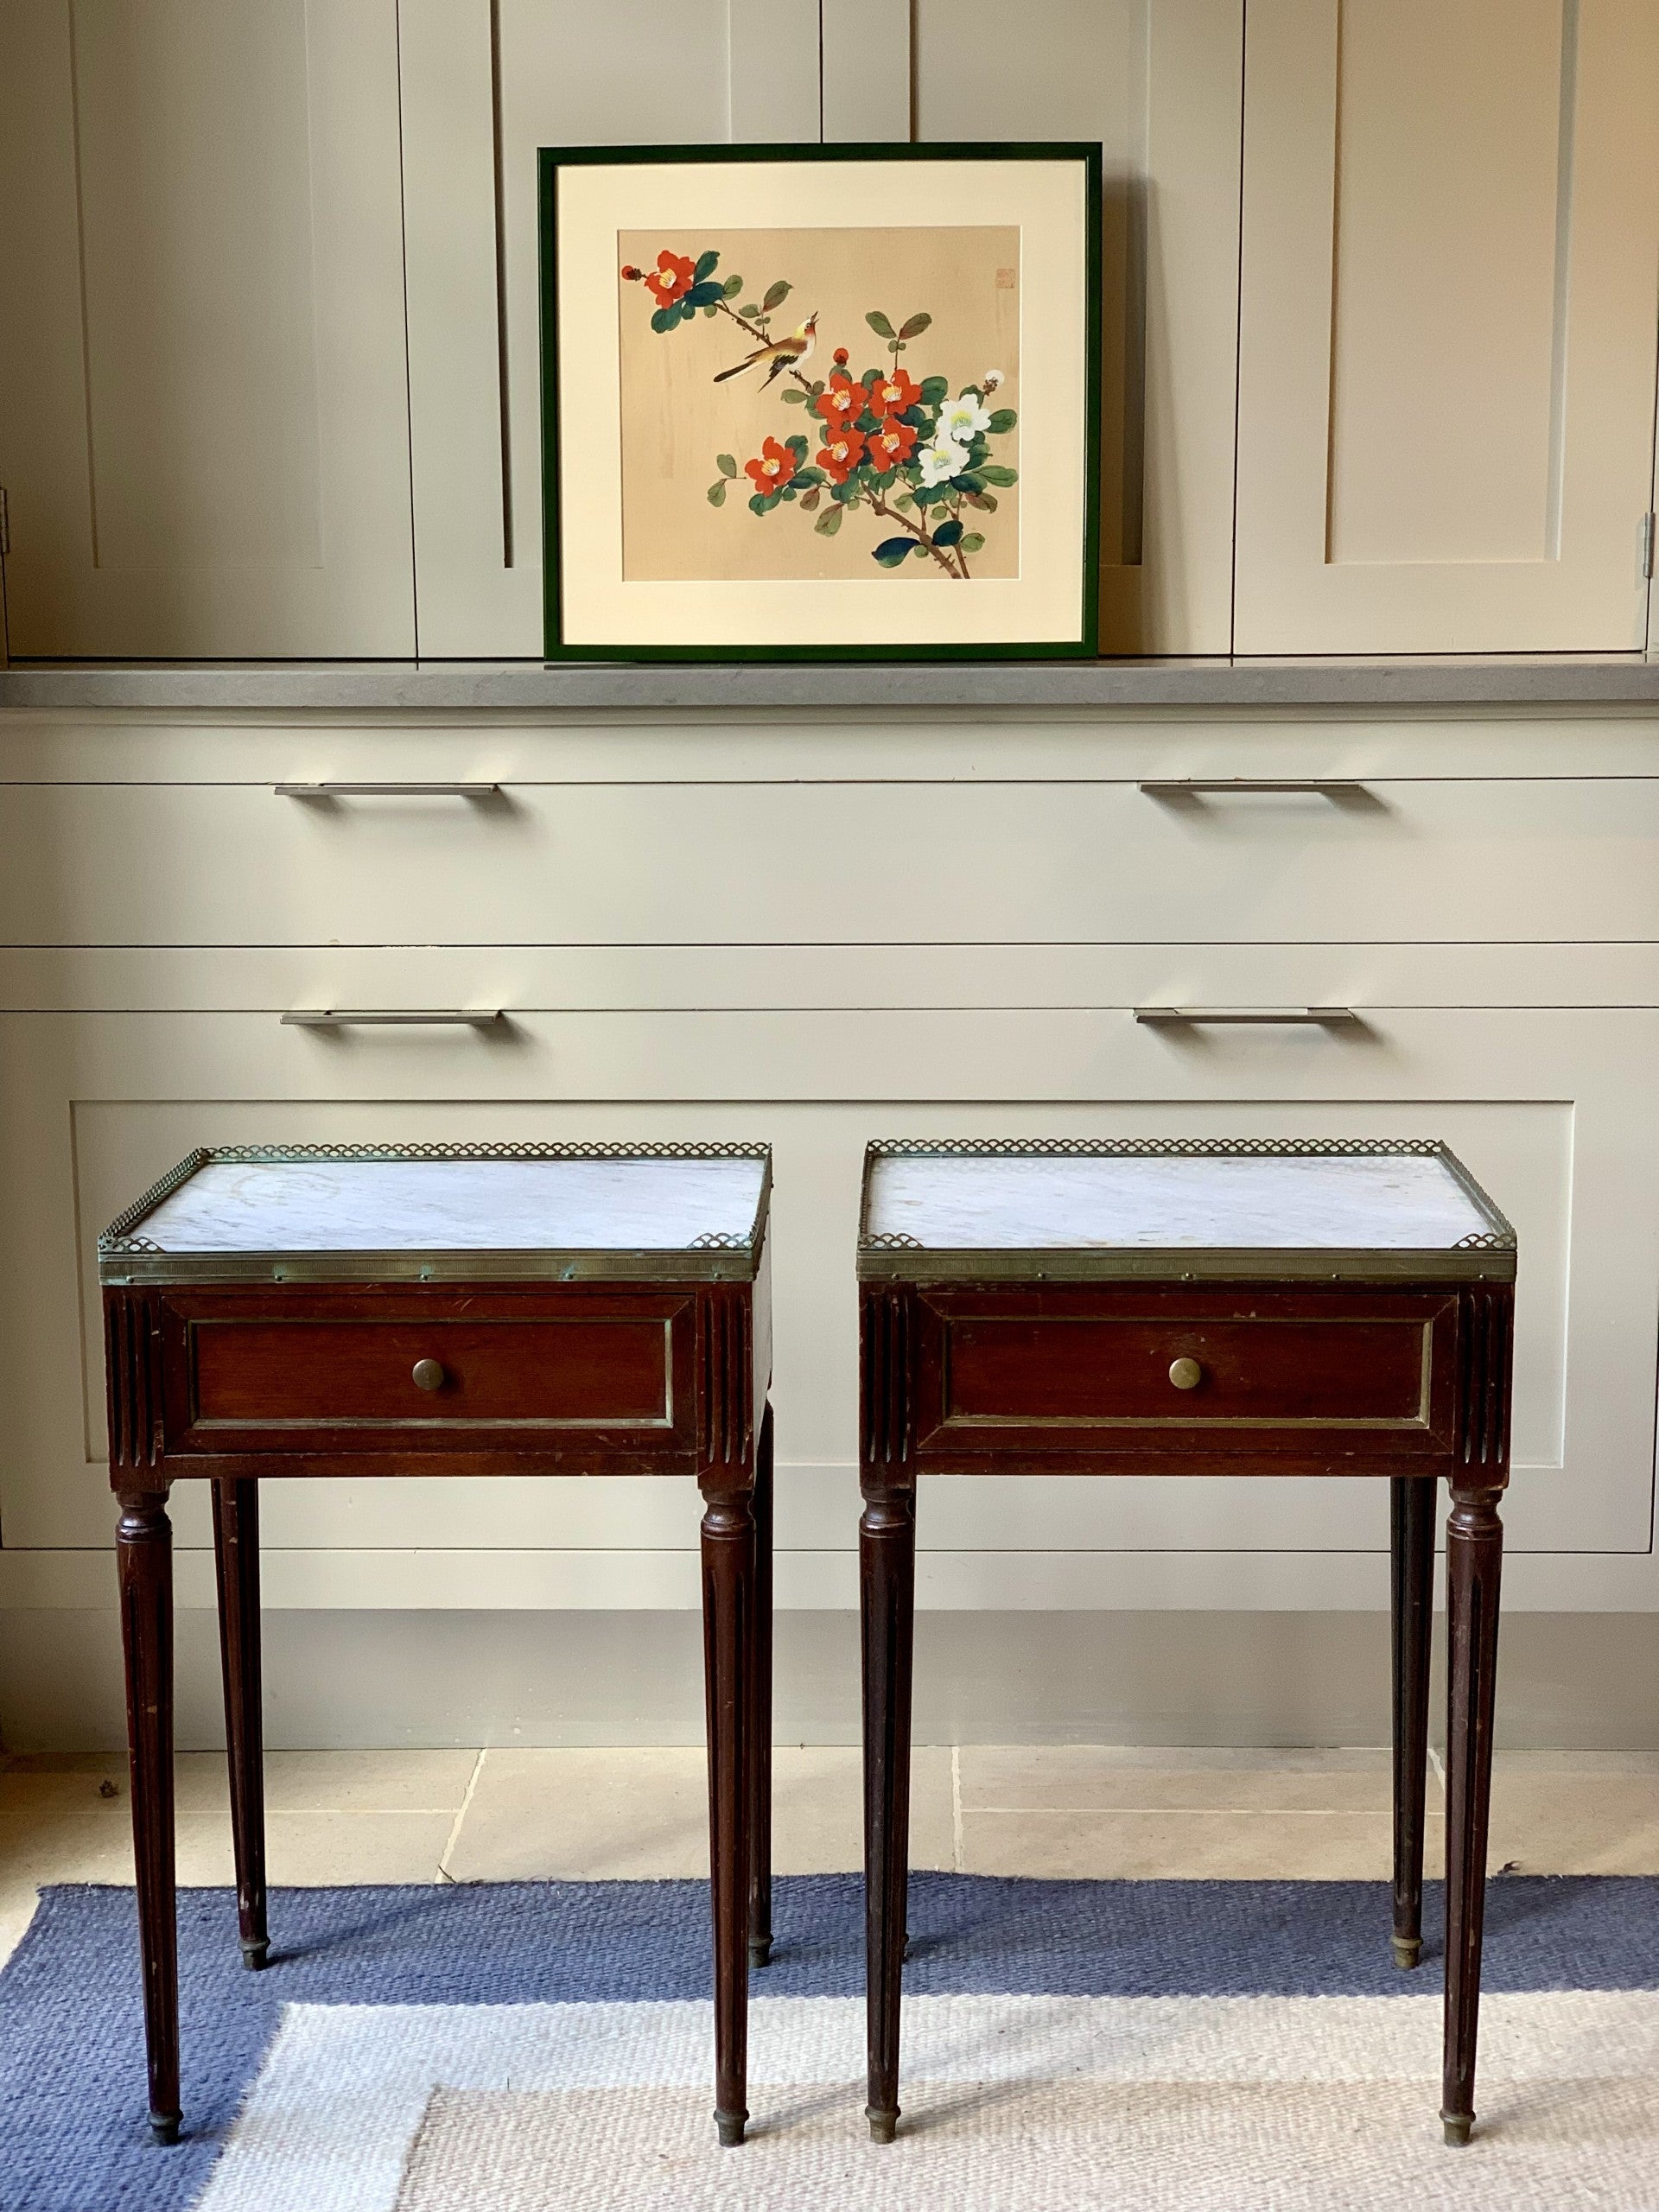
[[1381, 298], [1449, 297], [204, 432]]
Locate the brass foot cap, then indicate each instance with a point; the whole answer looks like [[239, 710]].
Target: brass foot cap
[[883, 2125], [1408, 1950], [730, 2126], [759, 1950], [1457, 2126], [164, 2126], [256, 1955]]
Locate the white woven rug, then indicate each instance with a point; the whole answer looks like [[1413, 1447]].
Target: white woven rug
[[1012, 2104]]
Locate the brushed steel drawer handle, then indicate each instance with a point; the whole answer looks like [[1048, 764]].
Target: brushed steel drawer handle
[[1186, 1374], [427, 1375], [374, 1017], [1300, 1017], [386, 790], [1245, 786]]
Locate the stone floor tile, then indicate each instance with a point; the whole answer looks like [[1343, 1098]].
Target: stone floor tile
[[1107, 1777], [1186, 1846]]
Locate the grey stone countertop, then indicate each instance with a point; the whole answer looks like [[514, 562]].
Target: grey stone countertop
[[1510, 680]]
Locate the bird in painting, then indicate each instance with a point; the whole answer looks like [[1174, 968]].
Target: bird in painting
[[782, 353]]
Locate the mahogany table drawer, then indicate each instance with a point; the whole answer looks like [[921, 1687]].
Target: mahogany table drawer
[[340, 1373], [1057, 1372], [527, 1374]]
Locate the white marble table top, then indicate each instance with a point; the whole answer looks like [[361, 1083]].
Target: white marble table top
[[1176, 1203], [549, 1205]]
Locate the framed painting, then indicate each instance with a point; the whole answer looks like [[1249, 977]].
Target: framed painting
[[815, 403]]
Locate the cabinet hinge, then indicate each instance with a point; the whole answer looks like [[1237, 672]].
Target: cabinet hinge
[[1647, 540]]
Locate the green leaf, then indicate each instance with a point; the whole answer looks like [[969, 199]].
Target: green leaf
[[994, 472], [964, 482], [892, 550], [757, 503], [711, 311], [880, 324], [717, 493], [817, 387], [750, 314], [810, 498], [829, 521], [796, 445], [903, 502], [948, 532], [776, 294], [792, 396], [1002, 422], [731, 288], [934, 388], [725, 464], [810, 476], [665, 319], [700, 296], [707, 264], [915, 327], [971, 542], [983, 501]]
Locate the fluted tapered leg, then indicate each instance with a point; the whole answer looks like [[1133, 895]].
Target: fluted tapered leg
[[1474, 1555], [236, 1558], [144, 1561], [1413, 1612], [887, 1544], [760, 1732], [727, 1637]]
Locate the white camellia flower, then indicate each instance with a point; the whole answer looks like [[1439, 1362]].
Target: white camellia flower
[[992, 378], [941, 459], [964, 419]]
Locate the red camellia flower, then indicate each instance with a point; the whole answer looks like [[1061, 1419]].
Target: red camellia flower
[[773, 468], [671, 277], [841, 401], [890, 395], [841, 456], [891, 446], [841, 357]]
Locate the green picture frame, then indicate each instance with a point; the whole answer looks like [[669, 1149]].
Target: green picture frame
[[569, 630]]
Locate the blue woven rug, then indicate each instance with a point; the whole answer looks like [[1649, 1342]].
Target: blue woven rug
[[492, 2011]]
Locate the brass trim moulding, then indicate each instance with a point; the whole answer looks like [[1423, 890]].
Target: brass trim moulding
[[125, 1256]]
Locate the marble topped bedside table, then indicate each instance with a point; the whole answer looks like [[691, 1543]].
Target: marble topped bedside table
[[1183, 1308], [441, 1310]]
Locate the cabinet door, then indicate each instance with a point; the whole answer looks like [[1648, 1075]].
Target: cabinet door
[[1158, 83], [1451, 243], [485, 83], [204, 433]]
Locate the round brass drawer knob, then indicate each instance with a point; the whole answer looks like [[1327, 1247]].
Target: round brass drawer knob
[[427, 1375], [1186, 1374]]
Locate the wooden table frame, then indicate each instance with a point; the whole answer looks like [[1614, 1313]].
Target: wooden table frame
[[913, 1325], [716, 1343]]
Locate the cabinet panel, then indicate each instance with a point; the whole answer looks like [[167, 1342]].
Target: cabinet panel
[[1158, 83], [643, 864], [205, 434], [485, 83], [1545, 1107], [1450, 250]]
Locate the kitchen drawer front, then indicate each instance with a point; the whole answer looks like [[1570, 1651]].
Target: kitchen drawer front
[[569, 1371], [1549, 1108], [1562, 859], [1356, 1379]]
